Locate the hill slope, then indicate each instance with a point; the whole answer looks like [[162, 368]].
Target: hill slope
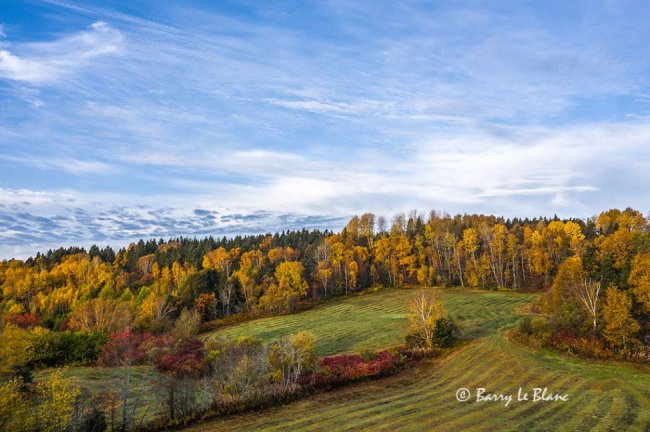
[[377, 320], [601, 397]]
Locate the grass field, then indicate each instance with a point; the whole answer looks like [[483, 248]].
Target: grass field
[[602, 397], [378, 320], [95, 380]]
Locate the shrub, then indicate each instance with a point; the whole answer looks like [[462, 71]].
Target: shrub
[[569, 318], [443, 335], [540, 329], [184, 360], [336, 370], [26, 320], [123, 349], [526, 326], [66, 348], [368, 354]]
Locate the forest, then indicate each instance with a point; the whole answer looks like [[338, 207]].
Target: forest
[[147, 305]]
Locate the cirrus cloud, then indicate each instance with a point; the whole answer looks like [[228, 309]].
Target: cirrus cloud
[[48, 62]]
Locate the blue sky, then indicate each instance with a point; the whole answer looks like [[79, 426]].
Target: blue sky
[[120, 121]]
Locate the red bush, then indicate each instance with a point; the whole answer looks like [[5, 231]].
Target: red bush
[[579, 345], [350, 367], [26, 320], [122, 349], [183, 360], [180, 359]]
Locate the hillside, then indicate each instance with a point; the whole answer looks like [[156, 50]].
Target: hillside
[[601, 397], [377, 320]]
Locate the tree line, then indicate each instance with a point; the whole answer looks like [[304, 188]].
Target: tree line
[[146, 285]]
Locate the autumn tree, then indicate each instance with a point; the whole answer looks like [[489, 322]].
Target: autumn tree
[[187, 325], [570, 275], [424, 311], [56, 402], [291, 356], [248, 275], [470, 246], [324, 271], [221, 259], [540, 255], [47, 406], [206, 306], [14, 406], [588, 294], [620, 326], [101, 316], [288, 286], [639, 280], [289, 277], [157, 307], [367, 228], [279, 254]]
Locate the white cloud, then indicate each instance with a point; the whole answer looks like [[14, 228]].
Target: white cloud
[[318, 106], [559, 169], [2, 32], [393, 114], [526, 172], [70, 165], [48, 62]]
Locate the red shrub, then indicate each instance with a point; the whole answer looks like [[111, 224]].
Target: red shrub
[[183, 360], [350, 367], [26, 320], [123, 349], [579, 345], [65, 324]]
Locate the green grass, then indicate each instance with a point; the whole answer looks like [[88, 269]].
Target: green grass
[[95, 381], [602, 397], [375, 320]]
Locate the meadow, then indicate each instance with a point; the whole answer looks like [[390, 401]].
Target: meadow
[[378, 319], [601, 396], [373, 320]]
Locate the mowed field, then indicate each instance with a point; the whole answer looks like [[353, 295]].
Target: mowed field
[[378, 320], [602, 397]]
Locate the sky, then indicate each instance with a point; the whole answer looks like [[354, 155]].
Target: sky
[[126, 120]]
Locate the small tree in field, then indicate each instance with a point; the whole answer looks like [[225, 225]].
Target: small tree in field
[[56, 401], [124, 351], [291, 356], [425, 310]]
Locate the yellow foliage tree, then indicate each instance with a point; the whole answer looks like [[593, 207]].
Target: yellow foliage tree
[[423, 311], [569, 276], [620, 326], [56, 402], [14, 407], [248, 273], [101, 316], [15, 344], [639, 279], [289, 277], [281, 295], [221, 259]]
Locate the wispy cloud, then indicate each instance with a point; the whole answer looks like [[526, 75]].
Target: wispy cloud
[[70, 165], [319, 111], [47, 62]]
